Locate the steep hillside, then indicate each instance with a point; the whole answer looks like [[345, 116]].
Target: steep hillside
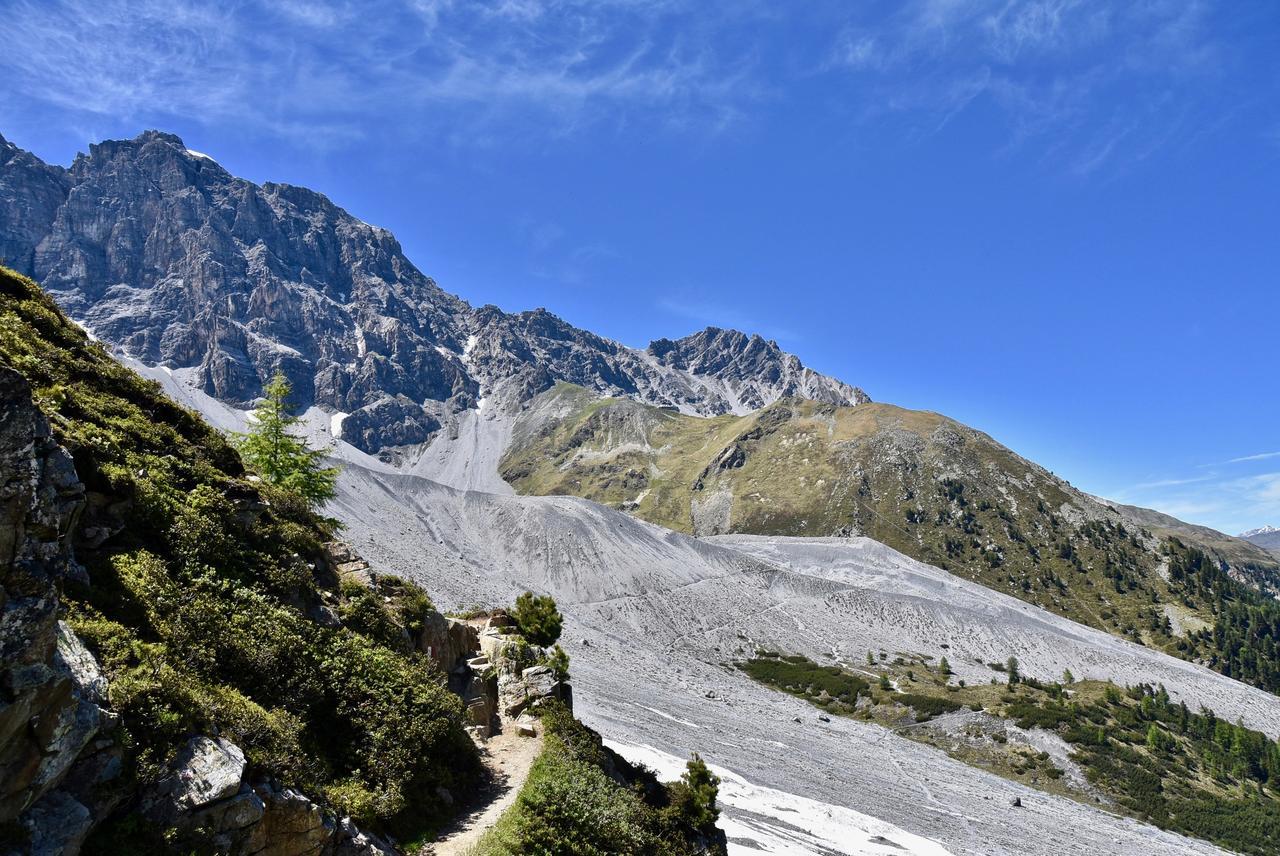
[[1249, 562], [226, 645], [653, 618], [919, 482], [165, 255]]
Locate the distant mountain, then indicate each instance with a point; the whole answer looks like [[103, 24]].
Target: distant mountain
[[1266, 537], [161, 252]]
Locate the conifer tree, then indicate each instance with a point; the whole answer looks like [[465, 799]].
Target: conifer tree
[[537, 618], [280, 457], [703, 787]]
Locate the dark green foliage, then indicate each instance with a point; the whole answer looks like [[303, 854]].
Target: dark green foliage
[[926, 707], [199, 601], [1244, 642], [537, 618], [1152, 755], [800, 676], [1048, 716], [693, 798], [282, 458]]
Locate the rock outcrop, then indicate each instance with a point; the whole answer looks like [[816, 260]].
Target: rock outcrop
[[519, 693], [167, 256], [55, 733], [208, 799]]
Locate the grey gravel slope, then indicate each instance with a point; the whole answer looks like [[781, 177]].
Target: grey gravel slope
[[661, 612]]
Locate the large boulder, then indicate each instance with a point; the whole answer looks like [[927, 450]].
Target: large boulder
[[518, 694], [208, 799], [204, 772], [292, 825], [57, 825], [447, 641]]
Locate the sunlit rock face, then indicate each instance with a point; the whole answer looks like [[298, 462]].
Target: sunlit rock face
[[162, 253]]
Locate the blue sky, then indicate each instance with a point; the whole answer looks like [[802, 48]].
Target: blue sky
[[1055, 220]]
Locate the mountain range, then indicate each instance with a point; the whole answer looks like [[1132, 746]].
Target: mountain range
[[160, 251], [688, 503]]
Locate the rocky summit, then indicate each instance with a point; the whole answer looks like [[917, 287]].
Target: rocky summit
[[161, 252]]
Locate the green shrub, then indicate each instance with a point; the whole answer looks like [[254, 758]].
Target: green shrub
[[571, 805], [801, 676], [558, 660], [927, 707], [538, 619]]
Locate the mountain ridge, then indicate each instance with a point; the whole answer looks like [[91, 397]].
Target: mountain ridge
[[162, 252], [1265, 537], [934, 489]]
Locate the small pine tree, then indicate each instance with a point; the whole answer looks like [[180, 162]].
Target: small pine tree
[[1067, 677], [1159, 739], [1011, 666], [696, 800], [944, 668], [278, 456], [871, 660], [558, 660], [884, 682], [538, 619]]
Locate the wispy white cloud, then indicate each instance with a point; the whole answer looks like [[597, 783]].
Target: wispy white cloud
[[1229, 503], [1086, 84], [301, 67], [1262, 456], [1170, 482]]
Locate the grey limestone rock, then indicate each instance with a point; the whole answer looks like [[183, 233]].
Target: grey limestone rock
[[162, 253]]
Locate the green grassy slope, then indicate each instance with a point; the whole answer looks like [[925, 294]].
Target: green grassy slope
[[203, 587], [923, 484]]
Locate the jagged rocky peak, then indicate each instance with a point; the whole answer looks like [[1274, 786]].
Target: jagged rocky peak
[[31, 192], [165, 255], [755, 371]]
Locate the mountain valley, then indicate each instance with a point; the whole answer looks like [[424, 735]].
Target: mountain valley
[[690, 506]]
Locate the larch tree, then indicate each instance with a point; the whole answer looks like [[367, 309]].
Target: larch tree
[[280, 457]]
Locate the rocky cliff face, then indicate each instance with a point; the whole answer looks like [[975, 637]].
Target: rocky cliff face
[[58, 755], [750, 372], [161, 252]]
